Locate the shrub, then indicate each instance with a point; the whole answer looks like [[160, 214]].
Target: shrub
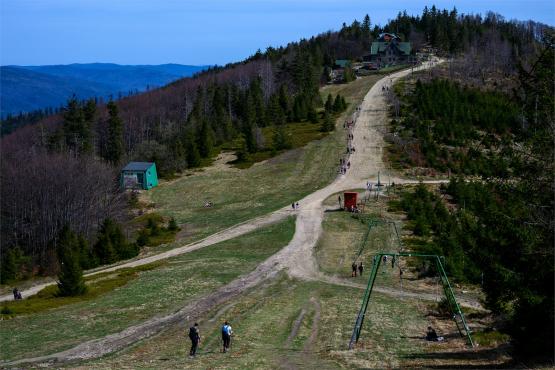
[[172, 226]]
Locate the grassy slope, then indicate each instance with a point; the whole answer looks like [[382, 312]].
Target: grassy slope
[[239, 195], [151, 293], [263, 320]]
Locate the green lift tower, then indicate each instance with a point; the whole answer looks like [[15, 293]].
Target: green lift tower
[[454, 307]]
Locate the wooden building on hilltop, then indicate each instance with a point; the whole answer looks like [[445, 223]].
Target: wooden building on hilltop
[[388, 51]]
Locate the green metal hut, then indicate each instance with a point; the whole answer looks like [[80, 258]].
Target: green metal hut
[[139, 175]]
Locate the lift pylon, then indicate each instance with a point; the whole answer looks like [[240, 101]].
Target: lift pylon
[[456, 311]]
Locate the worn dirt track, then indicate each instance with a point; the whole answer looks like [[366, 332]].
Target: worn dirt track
[[229, 233], [296, 258]]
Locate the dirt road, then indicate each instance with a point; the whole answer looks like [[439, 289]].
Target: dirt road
[[296, 258]]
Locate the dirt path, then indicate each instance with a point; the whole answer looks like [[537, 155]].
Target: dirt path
[[366, 162], [229, 233], [296, 258], [315, 325]]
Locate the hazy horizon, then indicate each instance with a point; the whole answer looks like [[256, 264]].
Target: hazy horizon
[[48, 32]]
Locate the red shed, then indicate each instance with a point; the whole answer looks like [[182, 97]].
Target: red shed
[[350, 200]]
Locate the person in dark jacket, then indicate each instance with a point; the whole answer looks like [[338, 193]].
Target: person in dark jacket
[[354, 270], [194, 335], [360, 268], [226, 336]]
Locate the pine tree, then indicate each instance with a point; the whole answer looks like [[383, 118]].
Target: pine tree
[[70, 277], [104, 249], [257, 96], [249, 124], [343, 103], [192, 153], [12, 264], [337, 106], [87, 259], [312, 115], [366, 31], [112, 244], [280, 140], [242, 152], [329, 104], [284, 101], [75, 130], [114, 150], [9, 267], [327, 123], [275, 113], [205, 139], [89, 115]]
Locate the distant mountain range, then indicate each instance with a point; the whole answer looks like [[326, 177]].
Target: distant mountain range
[[28, 88]]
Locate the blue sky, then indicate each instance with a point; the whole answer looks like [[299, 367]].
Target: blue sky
[[197, 32]]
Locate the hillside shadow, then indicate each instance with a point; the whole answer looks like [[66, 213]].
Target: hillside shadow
[[478, 359]]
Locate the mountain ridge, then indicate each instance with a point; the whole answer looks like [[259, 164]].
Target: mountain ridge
[[29, 88]]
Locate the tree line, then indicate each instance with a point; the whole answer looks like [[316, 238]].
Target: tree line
[[500, 233]]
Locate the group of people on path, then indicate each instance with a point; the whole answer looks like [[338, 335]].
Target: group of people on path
[[345, 164], [354, 269], [194, 336], [295, 205]]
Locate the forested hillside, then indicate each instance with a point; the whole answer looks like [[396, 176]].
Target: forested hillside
[[63, 170], [496, 227]]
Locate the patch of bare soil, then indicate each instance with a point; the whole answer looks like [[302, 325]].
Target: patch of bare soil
[[315, 325]]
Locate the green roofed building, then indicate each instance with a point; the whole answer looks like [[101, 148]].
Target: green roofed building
[[342, 63], [139, 175], [388, 50]]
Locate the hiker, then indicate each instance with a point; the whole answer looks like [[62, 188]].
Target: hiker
[[226, 336], [349, 164], [360, 268], [354, 270], [15, 293], [431, 335], [297, 205], [293, 205], [19, 295], [194, 335]]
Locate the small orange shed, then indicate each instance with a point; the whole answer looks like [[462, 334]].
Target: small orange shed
[[350, 200]]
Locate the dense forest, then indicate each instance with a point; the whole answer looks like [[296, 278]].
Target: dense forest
[[498, 233], [62, 171], [463, 130]]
